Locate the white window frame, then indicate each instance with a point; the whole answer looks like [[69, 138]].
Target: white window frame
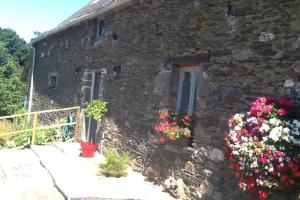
[[194, 72]]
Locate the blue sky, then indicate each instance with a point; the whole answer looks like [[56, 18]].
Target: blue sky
[[27, 16]]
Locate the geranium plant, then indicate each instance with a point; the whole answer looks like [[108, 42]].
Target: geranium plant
[[173, 126], [263, 147]]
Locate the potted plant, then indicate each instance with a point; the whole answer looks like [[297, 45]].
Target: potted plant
[[96, 110], [173, 126]]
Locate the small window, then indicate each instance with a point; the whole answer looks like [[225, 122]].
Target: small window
[[100, 28], [186, 90], [52, 82]]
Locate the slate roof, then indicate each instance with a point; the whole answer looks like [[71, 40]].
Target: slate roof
[[91, 7], [88, 11]]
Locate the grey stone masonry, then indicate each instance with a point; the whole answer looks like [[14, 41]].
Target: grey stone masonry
[[241, 49]]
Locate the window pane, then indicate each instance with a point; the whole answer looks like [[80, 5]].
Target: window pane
[[185, 93], [53, 80], [100, 28]]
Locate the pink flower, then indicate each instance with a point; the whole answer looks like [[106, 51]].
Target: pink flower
[[279, 153], [262, 159], [282, 112], [261, 100], [268, 109], [157, 128], [261, 119]]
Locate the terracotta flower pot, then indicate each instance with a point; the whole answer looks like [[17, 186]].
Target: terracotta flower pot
[[88, 149]]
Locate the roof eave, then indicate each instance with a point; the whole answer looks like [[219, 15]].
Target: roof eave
[[80, 19]]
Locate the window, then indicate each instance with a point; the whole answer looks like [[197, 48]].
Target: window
[[186, 90], [52, 82], [100, 28]]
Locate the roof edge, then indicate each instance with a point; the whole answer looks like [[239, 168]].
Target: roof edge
[[80, 19]]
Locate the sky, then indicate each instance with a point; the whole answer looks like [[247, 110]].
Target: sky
[[27, 16]]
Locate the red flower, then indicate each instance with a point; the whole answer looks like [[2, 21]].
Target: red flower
[[282, 112], [162, 140], [163, 115], [262, 194], [284, 101], [292, 181], [284, 178], [296, 173], [234, 166], [251, 183]]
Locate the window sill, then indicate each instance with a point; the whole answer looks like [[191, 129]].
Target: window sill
[[180, 150]]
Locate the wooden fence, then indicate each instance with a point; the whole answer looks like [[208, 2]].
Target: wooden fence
[[35, 126]]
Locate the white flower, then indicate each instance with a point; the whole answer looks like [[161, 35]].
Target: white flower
[[264, 128], [275, 133], [271, 169], [286, 130], [260, 182], [234, 138], [237, 128], [275, 122], [252, 120], [254, 164]]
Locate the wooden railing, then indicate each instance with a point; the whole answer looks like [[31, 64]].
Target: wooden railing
[[35, 127]]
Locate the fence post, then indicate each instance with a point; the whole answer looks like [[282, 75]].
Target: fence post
[[76, 129], [35, 121]]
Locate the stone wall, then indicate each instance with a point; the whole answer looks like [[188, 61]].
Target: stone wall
[[253, 49]]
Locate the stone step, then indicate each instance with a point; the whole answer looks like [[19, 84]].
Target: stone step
[[77, 178]]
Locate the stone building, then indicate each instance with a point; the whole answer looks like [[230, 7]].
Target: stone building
[[210, 58]]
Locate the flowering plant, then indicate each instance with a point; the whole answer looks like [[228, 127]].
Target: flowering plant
[[173, 125], [263, 147]]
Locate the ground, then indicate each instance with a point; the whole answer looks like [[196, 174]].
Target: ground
[[57, 172], [22, 177]]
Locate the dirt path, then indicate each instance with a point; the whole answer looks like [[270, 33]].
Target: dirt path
[[22, 177]]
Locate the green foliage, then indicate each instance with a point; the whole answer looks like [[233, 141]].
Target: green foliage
[[45, 136], [23, 140], [16, 46], [13, 54], [116, 164], [96, 109]]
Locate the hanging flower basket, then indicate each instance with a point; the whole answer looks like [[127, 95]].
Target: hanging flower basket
[[263, 147]]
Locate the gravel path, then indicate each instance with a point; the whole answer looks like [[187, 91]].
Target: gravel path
[[22, 177]]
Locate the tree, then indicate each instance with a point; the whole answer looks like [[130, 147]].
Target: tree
[[13, 55], [16, 46]]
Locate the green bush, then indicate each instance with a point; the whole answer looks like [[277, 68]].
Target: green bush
[[115, 164]]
